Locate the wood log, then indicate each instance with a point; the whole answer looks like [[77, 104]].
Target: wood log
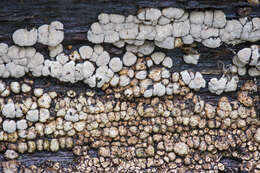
[[78, 15]]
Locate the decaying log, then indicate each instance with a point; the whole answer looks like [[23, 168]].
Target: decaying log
[[78, 15]]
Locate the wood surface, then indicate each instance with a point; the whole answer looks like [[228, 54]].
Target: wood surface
[[78, 15]]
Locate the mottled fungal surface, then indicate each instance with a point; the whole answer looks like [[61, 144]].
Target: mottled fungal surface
[[158, 90], [164, 27]]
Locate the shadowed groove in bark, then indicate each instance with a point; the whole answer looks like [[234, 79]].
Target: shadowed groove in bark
[[232, 165]]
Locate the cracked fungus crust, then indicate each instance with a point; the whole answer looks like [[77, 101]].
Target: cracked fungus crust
[[163, 27], [140, 115], [177, 132]]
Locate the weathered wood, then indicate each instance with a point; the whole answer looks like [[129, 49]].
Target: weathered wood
[[77, 16]]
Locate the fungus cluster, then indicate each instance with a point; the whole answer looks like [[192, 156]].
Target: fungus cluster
[[161, 130], [248, 57], [137, 113], [224, 84], [165, 27]]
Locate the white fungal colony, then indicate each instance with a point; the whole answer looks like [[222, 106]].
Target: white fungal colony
[[16, 61], [58, 119], [22, 37], [29, 109], [191, 59], [97, 68], [168, 29], [164, 27], [221, 85], [248, 56], [52, 34], [193, 81]]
